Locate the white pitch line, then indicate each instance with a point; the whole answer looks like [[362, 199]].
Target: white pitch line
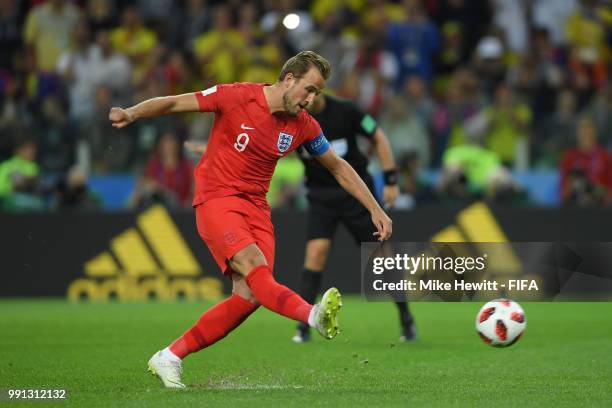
[[231, 386]]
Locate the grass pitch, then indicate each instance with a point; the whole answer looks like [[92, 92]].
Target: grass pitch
[[98, 353]]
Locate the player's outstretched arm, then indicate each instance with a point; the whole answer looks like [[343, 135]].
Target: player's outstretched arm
[[352, 183], [152, 108]]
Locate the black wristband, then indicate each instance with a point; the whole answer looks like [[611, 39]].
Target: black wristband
[[390, 177]]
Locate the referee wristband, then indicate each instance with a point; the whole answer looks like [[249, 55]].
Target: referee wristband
[[390, 177]]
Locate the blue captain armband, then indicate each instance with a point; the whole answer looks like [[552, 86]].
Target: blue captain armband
[[317, 146]]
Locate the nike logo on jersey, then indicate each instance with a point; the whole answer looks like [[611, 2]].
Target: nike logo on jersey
[[245, 127]]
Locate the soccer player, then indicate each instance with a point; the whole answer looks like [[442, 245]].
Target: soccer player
[[254, 126], [329, 204]]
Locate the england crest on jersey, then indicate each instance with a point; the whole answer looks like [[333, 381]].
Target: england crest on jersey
[[284, 142]]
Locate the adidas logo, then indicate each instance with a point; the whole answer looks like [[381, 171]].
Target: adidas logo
[[477, 224], [150, 261], [474, 232]]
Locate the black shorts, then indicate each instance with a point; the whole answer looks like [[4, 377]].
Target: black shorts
[[332, 206]]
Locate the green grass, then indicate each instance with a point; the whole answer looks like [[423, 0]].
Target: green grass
[[98, 352]]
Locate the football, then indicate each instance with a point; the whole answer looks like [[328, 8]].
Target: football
[[501, 322]]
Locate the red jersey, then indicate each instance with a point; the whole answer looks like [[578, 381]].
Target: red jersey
[[246, 141]]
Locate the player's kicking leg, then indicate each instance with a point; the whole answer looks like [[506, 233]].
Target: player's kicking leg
[[251, 263], [258, 286]]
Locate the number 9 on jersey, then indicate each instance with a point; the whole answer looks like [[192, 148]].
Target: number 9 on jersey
[[242, 140]]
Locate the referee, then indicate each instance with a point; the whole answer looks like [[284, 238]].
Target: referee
[[329, 204]]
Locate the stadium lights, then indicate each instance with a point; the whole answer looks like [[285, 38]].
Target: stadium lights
[[291, 21]]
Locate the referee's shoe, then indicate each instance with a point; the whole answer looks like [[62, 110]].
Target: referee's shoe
[[302, 335], [408, 331]]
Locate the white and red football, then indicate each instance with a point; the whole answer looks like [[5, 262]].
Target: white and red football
[[501, 322]]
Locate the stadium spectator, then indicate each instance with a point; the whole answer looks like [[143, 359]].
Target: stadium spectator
[[405, 130], [101, 15], [511, 17], [263, 55], [248, 21], [471, 18], [11, 20], [552, 16], [586, 169], [414, 191], [113, 68], [472, 171], [168, 176], [587, 34], [220, 51], [508, 127], [333, 43], [47, 31], [102, 149], [135, 41], [536, 76], [77, 67], [263, 59], [377, 15], [413, 42], [418, 100], [452, 54], [55, 145], [600, 109], [166, 71], [489, 64], [14, 112], [155, 12], [36, 84], [376, 70], [185, 22], [462, 102], [349, 86], [554, 134], [72, 192], [319, 9], [19, 183]]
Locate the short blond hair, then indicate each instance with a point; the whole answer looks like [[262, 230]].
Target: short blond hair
[[299, 64]]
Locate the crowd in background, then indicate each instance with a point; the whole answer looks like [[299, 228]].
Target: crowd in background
[[477, 89]]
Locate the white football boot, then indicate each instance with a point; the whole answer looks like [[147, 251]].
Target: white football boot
[[167, 369]]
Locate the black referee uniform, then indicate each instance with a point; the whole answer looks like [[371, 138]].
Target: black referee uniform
[[329, 204]]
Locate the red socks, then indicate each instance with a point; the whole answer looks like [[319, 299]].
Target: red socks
[[213, 325], [276, 297], [224, 317]]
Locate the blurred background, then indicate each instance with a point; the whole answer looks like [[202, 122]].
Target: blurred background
[[509, 101]]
